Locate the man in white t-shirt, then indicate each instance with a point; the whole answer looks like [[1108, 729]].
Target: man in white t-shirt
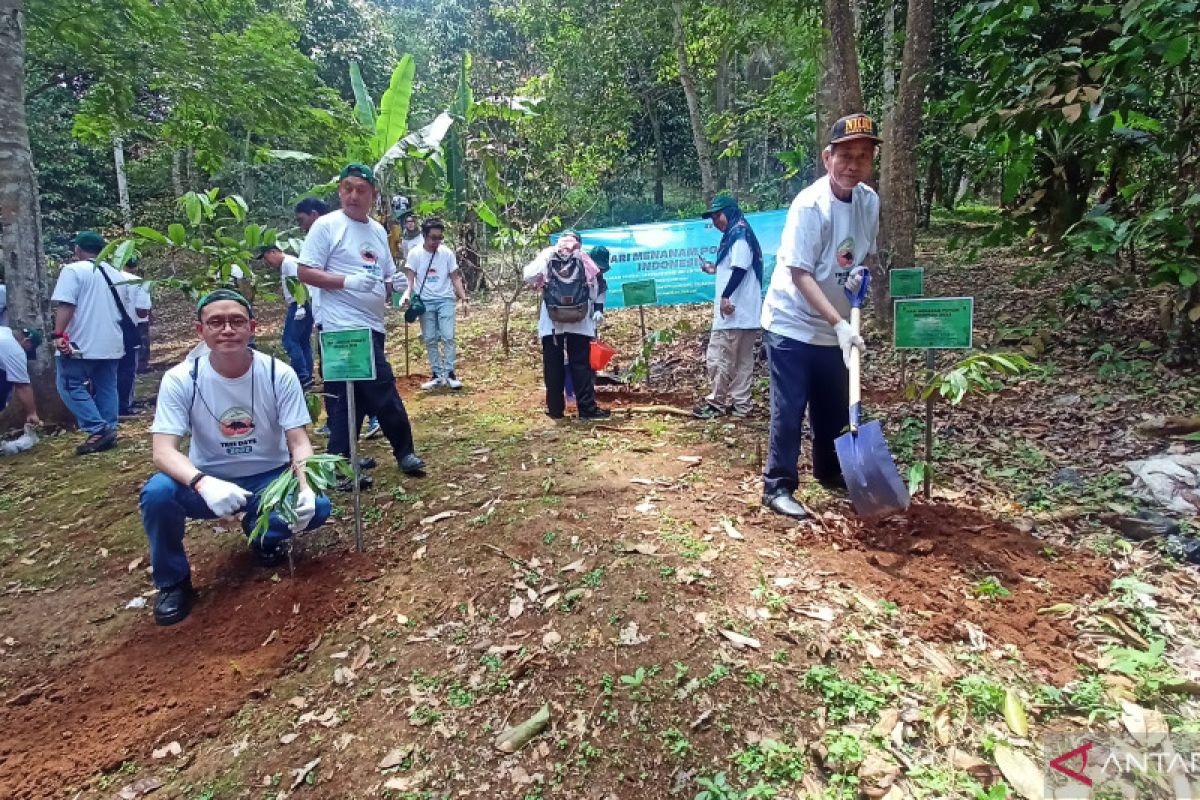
[[17, 349], [87, 334], [828, 239], [433, 276], [346, 256], [737, 305], [136, 301], [246, 414], [298, 324]]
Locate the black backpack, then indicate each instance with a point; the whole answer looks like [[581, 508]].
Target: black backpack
[[566, 292]]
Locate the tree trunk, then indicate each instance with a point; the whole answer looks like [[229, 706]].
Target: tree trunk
[[660, 167], [20, 219], [889, 57], [842, 48], [899, 178], [176, 173], [932, 190], [688, 81], [122, 184]]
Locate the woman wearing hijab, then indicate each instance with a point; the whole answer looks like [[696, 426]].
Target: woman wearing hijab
[[737, 304]]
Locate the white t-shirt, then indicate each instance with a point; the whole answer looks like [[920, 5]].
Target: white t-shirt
[[288, 269], [238, 425], [746, 298], [408, 245], [12, 357], [3, 305], [826, 237], [432, 272], [341, 246], [95, 327], [548, 327], [133, 296]]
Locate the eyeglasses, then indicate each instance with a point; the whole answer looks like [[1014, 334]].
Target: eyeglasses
[[218, 324], [436, 238]]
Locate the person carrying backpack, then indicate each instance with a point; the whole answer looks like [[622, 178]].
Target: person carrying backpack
[[572, 308]]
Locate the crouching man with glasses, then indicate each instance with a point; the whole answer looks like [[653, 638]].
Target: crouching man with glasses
[[245, 412]]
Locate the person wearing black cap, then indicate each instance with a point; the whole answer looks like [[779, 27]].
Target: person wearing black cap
[[346, 255], [17, 348], [828, 241], [90, 344], [245, 412], [737, 304]]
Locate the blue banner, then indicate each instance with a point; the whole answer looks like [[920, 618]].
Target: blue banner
[[669, 253]]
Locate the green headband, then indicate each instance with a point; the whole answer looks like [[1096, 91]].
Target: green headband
[[223, 294]]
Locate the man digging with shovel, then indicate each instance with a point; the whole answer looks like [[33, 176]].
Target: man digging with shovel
[[827, 239]]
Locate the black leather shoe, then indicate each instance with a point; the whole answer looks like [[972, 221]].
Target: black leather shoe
[[783, 503], [269, 557], [596, 413], [347, 484], [98, 442], [174, 603], [367, 462], [412, 465]]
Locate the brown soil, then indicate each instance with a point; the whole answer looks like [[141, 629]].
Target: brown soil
[[929, 560], [160, 684]]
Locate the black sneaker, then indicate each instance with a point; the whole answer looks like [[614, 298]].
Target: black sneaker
[[367, 462], [706, 411], [269, 557], [595, 414], [174, 603], [97, 442], [347, 484], [412, 464]]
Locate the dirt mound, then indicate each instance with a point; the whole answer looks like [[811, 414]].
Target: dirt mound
[[169, 683], [955, 565]]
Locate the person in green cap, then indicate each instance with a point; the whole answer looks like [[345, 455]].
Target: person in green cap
[[89, 341], [737, 304], [346, 255], [246, 416]]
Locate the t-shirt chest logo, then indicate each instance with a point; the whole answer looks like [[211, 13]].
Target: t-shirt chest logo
[[369, 257], [236, 423], [845, 252]]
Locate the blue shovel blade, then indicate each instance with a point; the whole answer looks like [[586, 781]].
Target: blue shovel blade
[[874, 484]]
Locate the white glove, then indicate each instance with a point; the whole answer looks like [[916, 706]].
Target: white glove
[[301, 312], [598, 318], [855, 278], [848, 338], [305, 508], [361, 282], [223, 497]]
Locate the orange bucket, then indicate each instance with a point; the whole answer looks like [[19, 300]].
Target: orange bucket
[[600, 355]]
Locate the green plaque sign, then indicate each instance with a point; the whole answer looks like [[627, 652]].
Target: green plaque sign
[[942, 323], [347, 355], [640, 293], [907, 282]]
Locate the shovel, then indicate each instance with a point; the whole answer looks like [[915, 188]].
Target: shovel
[[872, 480]]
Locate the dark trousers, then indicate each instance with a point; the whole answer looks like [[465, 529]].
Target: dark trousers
[[554, 372], [804, 376], [126, 373], [377, 398], [297, 341], [144, 352]]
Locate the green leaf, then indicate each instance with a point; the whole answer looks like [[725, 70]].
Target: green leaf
[[122, 254], [177, 234], [364, 106], [487, 215], [1014, 714], [1177, 50], [192, 207], [237, 207], [295, 155], [152, 235], [252, 235], [392, 122]]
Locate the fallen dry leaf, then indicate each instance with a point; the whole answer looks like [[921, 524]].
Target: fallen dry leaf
[[440, 516], [395, 757], [300, 775], [419, 553], [172, 749], [361, 658], [1147, 726], [137, 562], [1022, 774], [730, 531], [142, 786], [288, 738], [516, 607], [740, 640], [406, 783]]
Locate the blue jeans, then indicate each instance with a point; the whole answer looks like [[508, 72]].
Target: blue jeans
[[95, 411], [297, 341], [804, 376], [167, 504], [437, 325]]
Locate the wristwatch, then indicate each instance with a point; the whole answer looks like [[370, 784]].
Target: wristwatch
[[196, 479]]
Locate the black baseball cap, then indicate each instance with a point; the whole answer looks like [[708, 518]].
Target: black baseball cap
[[854, 126]]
